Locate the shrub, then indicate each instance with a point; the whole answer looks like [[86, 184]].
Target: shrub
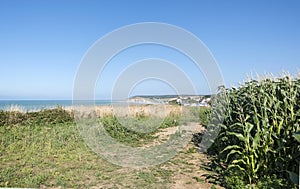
[[171, 120], [49, 116], [123, 134], [204, 116]]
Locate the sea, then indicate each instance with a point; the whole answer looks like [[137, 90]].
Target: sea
[[37, 105]]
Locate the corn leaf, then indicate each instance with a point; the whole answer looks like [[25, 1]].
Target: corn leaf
[[233, 152], [238, 135], [294, 177], [231, 147], [296, 135], [236, 166]]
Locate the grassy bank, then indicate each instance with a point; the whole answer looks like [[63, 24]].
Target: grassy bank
[[44, 149]]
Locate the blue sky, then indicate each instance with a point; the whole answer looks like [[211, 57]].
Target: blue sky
[[42, 42]]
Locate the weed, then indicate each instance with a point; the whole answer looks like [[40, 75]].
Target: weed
[[198, 179], [124, 134], [171, 120]]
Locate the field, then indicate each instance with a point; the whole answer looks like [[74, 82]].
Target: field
[[258, 145], [44, 149], [257, 142]]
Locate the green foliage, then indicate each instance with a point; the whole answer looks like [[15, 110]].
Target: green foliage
[[198, 179], [126, 131], [204, 116], [296, 135], [236, 182], [259, 133], [124, 134], [48, 116], [171, 120]]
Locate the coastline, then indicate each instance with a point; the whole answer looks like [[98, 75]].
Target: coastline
[[38, 105]]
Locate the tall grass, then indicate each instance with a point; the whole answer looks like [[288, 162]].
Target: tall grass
[[258, 139]]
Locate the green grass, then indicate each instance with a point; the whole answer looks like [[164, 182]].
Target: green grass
[[54, 155], [198, 179], [170, 121], [45, 149], [126, 135]]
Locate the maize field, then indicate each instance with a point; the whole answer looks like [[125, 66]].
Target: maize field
[[259, 137]]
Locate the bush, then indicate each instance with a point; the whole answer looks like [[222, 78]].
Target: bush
[[171, 120], [49, 116], [204, 116], [123, 134]]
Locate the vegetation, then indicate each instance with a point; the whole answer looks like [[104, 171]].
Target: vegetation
[[48, 116], [44, 149], [204, 115], [170, 121], [124, 134], [258, 145]]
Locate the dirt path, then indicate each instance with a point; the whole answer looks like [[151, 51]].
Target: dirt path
[[164, 134], [184, 171], [187, 164]]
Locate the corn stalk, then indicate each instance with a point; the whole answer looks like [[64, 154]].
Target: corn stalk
[[259, 135]]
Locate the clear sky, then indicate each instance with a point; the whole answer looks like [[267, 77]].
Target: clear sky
[[42, 42]]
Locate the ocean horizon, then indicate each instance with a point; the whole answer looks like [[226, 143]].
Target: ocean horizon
[[37, 105]]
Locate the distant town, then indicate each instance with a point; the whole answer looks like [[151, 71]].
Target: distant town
[[182, 100]]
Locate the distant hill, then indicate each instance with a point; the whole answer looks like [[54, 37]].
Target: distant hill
[[167, 96], [185, 100]]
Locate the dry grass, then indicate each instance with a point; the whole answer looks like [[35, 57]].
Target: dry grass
[[159, 111], [15, 108]]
